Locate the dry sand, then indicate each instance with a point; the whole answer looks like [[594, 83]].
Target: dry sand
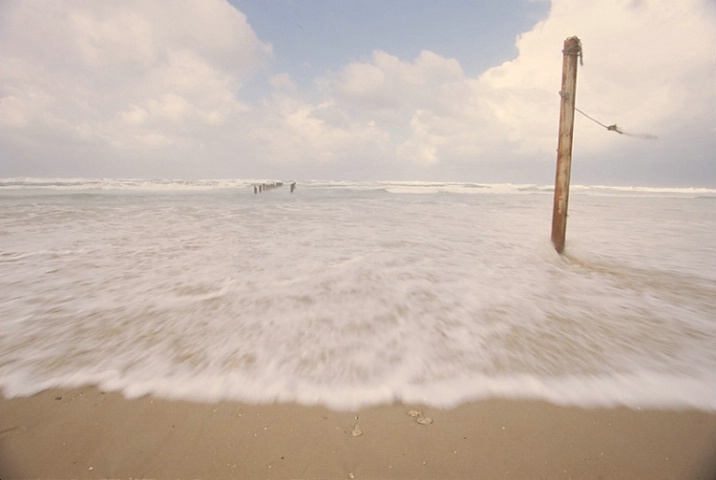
[[85, 433]]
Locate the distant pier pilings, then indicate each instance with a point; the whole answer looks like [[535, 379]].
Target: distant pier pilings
[[268, 186]]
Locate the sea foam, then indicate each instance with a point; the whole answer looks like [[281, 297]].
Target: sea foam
[[347, 294]]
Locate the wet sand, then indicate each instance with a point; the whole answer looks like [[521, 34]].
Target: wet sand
[[85, 433]]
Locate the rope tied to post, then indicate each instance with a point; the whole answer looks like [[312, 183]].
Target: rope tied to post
[[615, 128], [573, 46]]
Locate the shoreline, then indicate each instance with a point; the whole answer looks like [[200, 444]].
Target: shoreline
[[86, 433]]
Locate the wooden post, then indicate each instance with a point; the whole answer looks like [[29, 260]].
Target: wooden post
[[572, 50]]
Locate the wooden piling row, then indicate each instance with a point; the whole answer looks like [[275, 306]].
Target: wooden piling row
[[265, 187]]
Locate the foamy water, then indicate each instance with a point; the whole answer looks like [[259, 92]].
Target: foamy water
[[350, 294]]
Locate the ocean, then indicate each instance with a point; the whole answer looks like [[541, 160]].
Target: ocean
[[350, 294]]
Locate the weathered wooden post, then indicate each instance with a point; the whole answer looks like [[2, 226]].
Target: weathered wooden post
[[572, 51]]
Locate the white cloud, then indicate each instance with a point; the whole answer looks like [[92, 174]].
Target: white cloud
[[139, 75], [647, 68], [140, 80], [646, 64]]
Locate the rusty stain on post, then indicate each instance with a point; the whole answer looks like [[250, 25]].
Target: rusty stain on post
[[572, 51]]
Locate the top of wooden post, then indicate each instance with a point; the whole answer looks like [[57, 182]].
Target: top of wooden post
[[573, 46]]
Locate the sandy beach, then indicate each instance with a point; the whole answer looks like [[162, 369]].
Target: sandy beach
[[86, 433]]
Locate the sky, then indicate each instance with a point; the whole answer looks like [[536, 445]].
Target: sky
[[449, 90]]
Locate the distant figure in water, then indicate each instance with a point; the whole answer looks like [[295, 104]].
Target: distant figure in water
[[293, 186]]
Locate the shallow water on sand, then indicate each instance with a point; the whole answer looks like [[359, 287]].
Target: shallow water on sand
[[349, 294]]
